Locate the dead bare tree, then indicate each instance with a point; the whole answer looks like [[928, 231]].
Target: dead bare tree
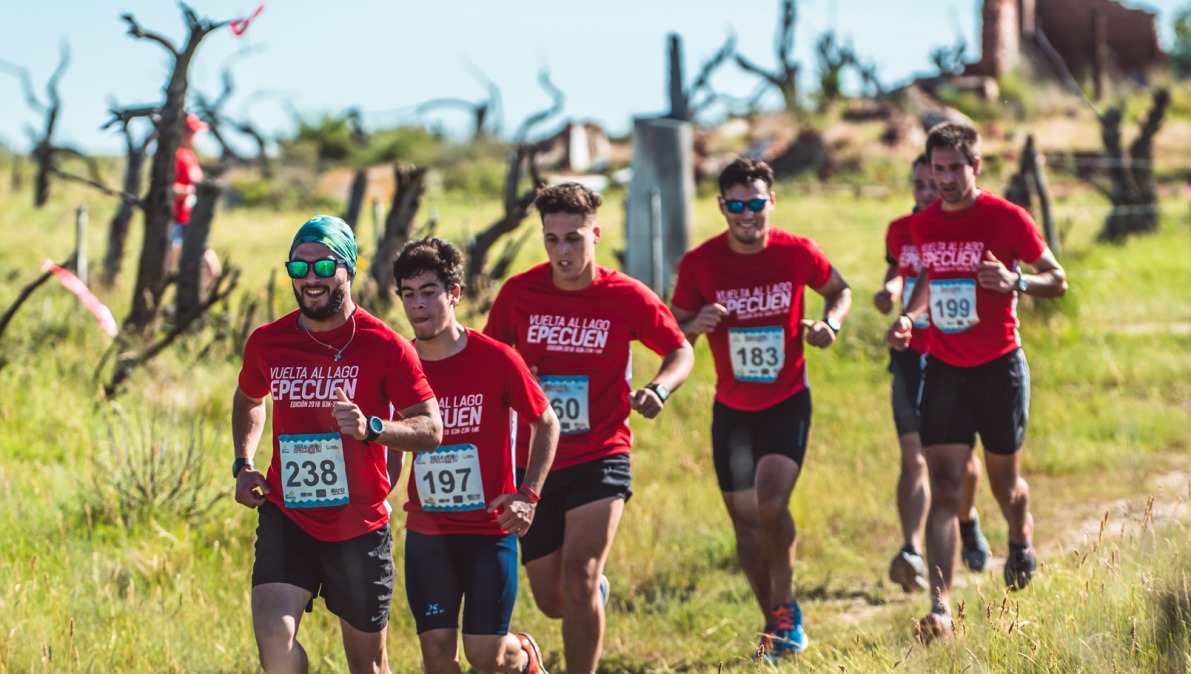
[[25, 293], [151, 272], [483, 112], [784, 76], [557, 99], [1028, 179], [45, 151], [355, 200], [407, 199], [832, 58], [1134, 198], [517, 207], [134, 162], [685, 101]]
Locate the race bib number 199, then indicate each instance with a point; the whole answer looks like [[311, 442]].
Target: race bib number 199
[[953, 304], [449, 480], [313, 474], [568, 397], [758, 354]]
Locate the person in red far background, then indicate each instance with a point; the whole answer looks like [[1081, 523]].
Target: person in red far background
[[573, 322], [744, 289], [913, 488], [335, 374], [465, 511], [975, 381], [187, 174]]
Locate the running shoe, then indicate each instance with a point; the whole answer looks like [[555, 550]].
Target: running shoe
[[909, 570], [974, 545], [605, 589], [533, 655], [788, 636], [1020, 566], [934, 626]]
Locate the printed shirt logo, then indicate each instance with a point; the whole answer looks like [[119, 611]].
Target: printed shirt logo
[[301, 386], [461, 414], [908, 257], [951, 256], [562, 334], [774, 299]]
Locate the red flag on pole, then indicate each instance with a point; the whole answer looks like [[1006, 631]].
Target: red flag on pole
[[238, 26], [72, 283]]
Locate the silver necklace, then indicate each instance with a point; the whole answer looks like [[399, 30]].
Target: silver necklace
[[338, 352]]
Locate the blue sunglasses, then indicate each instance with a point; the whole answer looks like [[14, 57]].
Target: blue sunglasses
[[738, 206]]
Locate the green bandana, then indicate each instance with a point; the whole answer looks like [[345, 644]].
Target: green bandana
[[333, 233]]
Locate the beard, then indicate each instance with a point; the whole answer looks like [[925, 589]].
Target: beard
[[335, 299]]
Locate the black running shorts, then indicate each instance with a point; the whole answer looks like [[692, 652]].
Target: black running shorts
[[990, 400], [568, 488], [739, 439]]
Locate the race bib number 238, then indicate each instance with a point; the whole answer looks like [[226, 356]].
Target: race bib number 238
[[313, 474]]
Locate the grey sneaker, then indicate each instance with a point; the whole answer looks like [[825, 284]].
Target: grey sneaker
[[909, 571], [1020, 566], [974, 546], [605, 589]]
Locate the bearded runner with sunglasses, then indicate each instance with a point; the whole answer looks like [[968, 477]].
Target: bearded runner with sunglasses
[[335, 374], [744, 290]]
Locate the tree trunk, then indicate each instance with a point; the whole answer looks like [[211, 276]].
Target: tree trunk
[[517, 208], [679, 104], [355, 200], [407, 199], [194, 247], [118, 229], [1134, 199]]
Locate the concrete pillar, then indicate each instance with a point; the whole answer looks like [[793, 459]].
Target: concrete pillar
[[663, 160]]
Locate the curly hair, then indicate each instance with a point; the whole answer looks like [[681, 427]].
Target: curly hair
[[953, 136], [568, 198], [745, 172], [433, 255]]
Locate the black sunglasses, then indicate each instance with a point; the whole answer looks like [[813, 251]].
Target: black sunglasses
[[737, 206], [322, 268]]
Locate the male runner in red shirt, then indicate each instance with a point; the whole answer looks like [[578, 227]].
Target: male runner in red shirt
[[573, 321], [335, 374], [744, 290], [465, 511], [975, 381]]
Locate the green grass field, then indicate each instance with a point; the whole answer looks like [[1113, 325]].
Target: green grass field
[[103, 572]]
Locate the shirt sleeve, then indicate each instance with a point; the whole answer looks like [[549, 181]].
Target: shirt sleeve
[[500, 323], [405, 382], [686, 295], [524, 394], [656, 326], [1029, 244], [252, 378], [819, 268]]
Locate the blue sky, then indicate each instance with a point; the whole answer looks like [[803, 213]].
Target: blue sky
[[387, 56]]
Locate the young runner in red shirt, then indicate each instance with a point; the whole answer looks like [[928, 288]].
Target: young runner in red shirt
[[335, 374], [465, 511], [744, 290], [913, 487], [975, 381], [573, 321]]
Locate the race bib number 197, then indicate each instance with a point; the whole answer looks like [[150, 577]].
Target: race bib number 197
[[568, 397], [758, 354], [449, 480], [953, 304], [313, 474]]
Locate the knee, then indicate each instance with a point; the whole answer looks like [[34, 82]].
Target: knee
[[772, 512], [440, 655], [580, 581], [484, 659], [549, 602], [913, 463], [946, 493], [275, 641]]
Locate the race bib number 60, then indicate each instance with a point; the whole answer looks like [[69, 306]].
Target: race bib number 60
[[568, 397], [313, 474], [953, 304], [449, 480], [758, 354]]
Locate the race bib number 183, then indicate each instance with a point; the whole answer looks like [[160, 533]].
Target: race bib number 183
[[313, 474], [758, 354]]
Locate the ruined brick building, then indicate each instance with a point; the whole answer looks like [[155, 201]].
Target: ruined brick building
[[1095, 39]]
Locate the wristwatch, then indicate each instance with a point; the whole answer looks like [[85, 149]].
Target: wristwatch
[[1021, 283], [661, 391], [239, 464], [375, 427], [833, 323]]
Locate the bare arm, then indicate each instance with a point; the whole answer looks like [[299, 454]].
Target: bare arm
[[248, 424], [675, 368], [514, 512], [890, 287], [898, 335], [1048, 279], [837, 298], [418, 430]]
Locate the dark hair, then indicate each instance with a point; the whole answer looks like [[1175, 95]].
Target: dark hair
[[920, 160], [568, 198], [953, 136], [433, 255], [745, 172]]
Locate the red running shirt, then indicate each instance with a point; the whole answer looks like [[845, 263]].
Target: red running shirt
[[579, 343], [969, 324], [900, 246], [477, 389], [757, 347], [379, 370], [186, 172]]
